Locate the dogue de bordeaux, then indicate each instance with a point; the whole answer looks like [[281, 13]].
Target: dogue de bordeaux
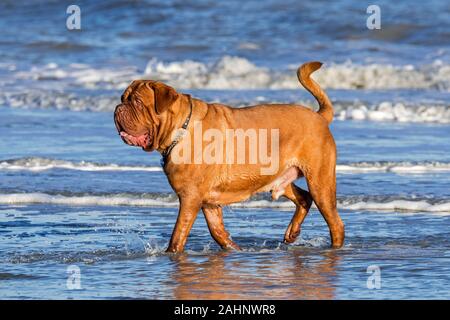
[[151, 115]]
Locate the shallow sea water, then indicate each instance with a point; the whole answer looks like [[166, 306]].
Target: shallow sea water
[[120, 254], [74, 198], [114, 222]]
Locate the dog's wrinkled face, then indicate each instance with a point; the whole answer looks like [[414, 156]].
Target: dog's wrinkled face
[[138, 116]]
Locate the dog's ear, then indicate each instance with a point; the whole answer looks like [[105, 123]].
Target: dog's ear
[[165, 96]]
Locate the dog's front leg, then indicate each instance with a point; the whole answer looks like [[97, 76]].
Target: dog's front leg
[[189, 208]]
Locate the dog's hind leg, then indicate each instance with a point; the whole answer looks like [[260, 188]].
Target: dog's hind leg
[[302, 200], [322, 186], [214, 219]]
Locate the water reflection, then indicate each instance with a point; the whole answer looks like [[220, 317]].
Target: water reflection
[[230, 275]]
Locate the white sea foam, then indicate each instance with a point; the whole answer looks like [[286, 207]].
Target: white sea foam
[[318, 242], [399, 205], [374, 203], [80, 75], [403, 167], [237, 73], [240, 73], [388, 111], [87, 200], [42, 164], [367, 204], [49, 99], [353, 110], [230, 72]]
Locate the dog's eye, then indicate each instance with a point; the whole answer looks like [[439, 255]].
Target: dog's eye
[[138, 103]]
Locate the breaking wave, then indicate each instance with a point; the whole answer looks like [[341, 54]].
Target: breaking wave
[[424, 112], [38, 164], [231, 72], [240, 73], [234, 73], [357, 203], [388, 111]]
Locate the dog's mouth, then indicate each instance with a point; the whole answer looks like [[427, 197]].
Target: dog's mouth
[[144, 140]]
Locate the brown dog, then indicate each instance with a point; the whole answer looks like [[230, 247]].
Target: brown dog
[[151, 113]]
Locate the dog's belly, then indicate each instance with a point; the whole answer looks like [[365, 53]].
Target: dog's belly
[[276, 186], [227, 197]]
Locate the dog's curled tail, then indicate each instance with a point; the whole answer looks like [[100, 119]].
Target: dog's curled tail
[[303, 74]]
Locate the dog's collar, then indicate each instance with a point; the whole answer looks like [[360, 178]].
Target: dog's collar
[[166, 152]]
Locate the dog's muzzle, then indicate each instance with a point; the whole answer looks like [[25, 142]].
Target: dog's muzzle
[[143, 140]]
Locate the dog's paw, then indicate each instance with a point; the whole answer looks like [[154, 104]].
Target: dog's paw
[[291, 234]]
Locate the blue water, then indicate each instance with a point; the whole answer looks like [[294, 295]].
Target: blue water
[[72, 194]]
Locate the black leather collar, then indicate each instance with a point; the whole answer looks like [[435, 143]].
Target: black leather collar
[[165, 153]]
